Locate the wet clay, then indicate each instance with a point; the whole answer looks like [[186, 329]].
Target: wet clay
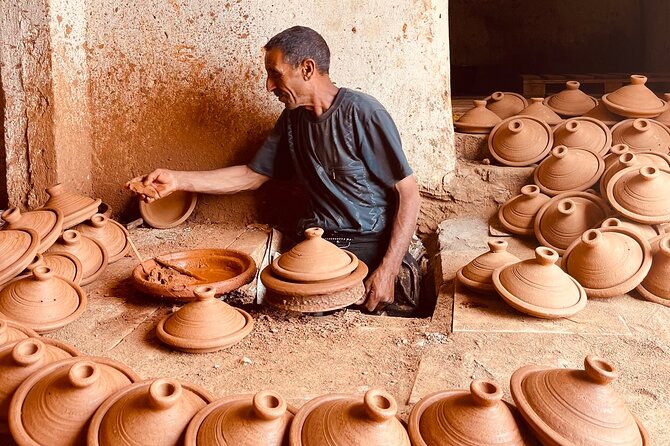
[[139, 188]]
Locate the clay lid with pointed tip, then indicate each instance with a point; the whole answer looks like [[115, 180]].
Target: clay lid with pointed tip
[[506, 104], [520, 141], [646, 231], [641, 194], [477, 120], [517, 215], [538, 110], [635, 100], [613, 155], [475, 417], [62, 397], [584, 133], [571, 101], [568, 170], [655, 287], [170, 211], [476, 275], [602, 114], [18, 248], [90, 252], [349, 420], [11, 331], [48, 223], [629, 159], [642, 135], [111, 234], [570, 407], [204, 325], [75, 207]]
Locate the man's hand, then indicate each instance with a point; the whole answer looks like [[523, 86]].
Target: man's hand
[[162, 181], [379, 289]]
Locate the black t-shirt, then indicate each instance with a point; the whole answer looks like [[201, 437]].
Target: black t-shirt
[[348, 159]]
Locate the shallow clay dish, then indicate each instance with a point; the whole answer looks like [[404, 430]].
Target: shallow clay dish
[[476, 275], [635, 100], [517, 215], [48, 223], [584, 133], [169, 211], [520, 141], [91, 253], [641, 194], [75, 207], [12, 331], [655, 287], [112, 235], [568, 170], [506, 104], [477, 120], [572, 101], [18, 248], [642, 135], [538, 110]]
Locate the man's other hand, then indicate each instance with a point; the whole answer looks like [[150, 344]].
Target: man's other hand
[[162, 181], [379, 289]]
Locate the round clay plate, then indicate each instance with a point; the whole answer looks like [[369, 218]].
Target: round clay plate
[[170, 211]]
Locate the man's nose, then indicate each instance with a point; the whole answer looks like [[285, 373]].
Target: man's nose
[[269, 84]]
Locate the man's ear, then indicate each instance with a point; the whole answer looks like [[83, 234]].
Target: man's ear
[[308, 69]]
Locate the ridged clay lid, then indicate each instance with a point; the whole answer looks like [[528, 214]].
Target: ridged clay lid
[[170, 211], [476, 275], [664, 118], [477, 120], [18, 248], [48, 223], [613, 155], [629, 159], [571, 101], [109, 233], [12, 331], [602, 114], [642, 135], [568, 170], [517, 215], [641, 194], [63, 265], [90, 252], [537, 109], [655, 287], [506, 104], [635, 100], [646, 231], [584, 133], [75, 207], [520, 141]]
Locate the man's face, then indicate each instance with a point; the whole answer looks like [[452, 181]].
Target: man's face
[[284, 80]]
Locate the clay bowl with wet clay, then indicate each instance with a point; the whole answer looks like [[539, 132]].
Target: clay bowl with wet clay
[[170, 211]]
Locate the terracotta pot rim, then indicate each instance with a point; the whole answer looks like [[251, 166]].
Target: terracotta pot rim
[[156, 222], [587, 183], [632, 112], [540, 156], [640, 218]]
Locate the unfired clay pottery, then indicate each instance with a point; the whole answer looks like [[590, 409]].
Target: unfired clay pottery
[[348, 420], [602, 114], [105, 210], [18, 248], [635, 100], [584, 133], [204, 325], [609, 261], [642, 135], [477, 120], [568, 170], [566, 407], [565, 217], [11, 331], [43, 301], [517, 215], [242, 420], [476, 275], [648, 232], [571, 101], [55, 404], [111, 234], [641, 194], [664, 118], [520, 141], [460, 417], [655, 287], [613, 155], [169, 211], [538, 110], [63, 265], [90, 252], [75, 208], [629, 159], [506, 104], [48, 223], [154, 412]]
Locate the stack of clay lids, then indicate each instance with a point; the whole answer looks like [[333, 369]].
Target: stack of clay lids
[[571, 101], [169, 211], [263, 418], [314, 276], [204, 325], [338, 419], [43, 301], [565, 217], [48, 223], [629, 159], [517, 215], [111, 234], [476, 275], [74, 207], [63, 264], [520, 141], [646, 231], [664, 118], [55, 404], [602, 114], [18, 248], [584, 133], [642, 135], [91, 253], [576, 407], [641, 194], [609, 261], [635, 100], [655, 287], [460, 417], [568, 170], [506, 104], [477, 120], [154, 412], [613, 155], [11, 331], [538, 110], [540, 288]]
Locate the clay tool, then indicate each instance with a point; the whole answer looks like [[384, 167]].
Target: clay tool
[[137, 254], [179, 269]]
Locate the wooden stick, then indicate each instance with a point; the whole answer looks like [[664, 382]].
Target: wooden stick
[[137, 254], [179, 269]]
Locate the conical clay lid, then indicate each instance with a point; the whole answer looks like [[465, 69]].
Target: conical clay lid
[[571, 407], [64, 265], [477, 120], [655, 287], [54, 405], [345, 420], [517, 215], [647, 232], [568, 170], [537, 109], [506, 104], [90, 252], [540, 288], [571, 101], [641, 194], [635, 100], [478, 417], [75, 208], [18, 248], [629, 159], [602, 114], [520, 141], [12, 331], [477, 274], [642, 135], [109, 233], [48, 223], [664, 118], [242, 420], [204, 325], [613, 155], [584, 133]]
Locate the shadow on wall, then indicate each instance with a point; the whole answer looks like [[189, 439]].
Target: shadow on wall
[[4, 197]]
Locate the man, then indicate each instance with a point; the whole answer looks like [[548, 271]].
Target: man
[[342, 146]]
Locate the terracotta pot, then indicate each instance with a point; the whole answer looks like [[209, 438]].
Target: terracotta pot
[[64, 265], [571, 101], [655, 286], [24, 301], [48, 223], [642, 135], [477, 120], [55, 404], [12, 331], [570, 407], [506, 104], [568, 170], [602, 114], [520, 141], [242, 420], [584, 133], [641, 194], [75, 208], [517, 215], [635, 100], [348, 420], [460, 417], [629, 159], [537, 109], [91, 253], [664, 118], [169, 211], [112, 235], [647, 232], [615, 152], [19, 247], [476, 275]]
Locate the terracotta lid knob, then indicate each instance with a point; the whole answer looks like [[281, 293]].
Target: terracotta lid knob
[[530, 190], [56, 189], [311, 233], [12, 215], [204, 292], [545, 256], [592, 237], [164, 393], [572, 85], [71, 237], [269, 405], [638, 79], [664, 246], [479, 103], [380, 405], [515, 126], [649, 173], [628, 159], [572, 126], [559, 152], [566, 207], [498, 96], [42, 272], [485, 393], [497, 245], [619, 149], [611, 222], [28, 351], [98, 221], [536, 100], [83, 373], [641, 125], [37, 261], [599, 369]]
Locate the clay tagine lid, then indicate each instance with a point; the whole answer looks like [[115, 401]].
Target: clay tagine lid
[[506, 104], [629, 159], [641, 194], [349, 420], [243, 420], [613, 155], [584, 133], [460, 417], [571, 407], [154, 412], [12, 331], [538, 110], [635, 100], [476, 275], [517, 215], [642, 135], [609, 261], [18, 247], [62, 397], [664, 118], [571, 101], [647, 232], [64, 265], [48, 223], [540, 288], [520, 141], [204, 325], [111, 234], [90, 252], [170, 211], [568, 170], [602, 114], [477, 120], [75, 208], [655, 287]]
